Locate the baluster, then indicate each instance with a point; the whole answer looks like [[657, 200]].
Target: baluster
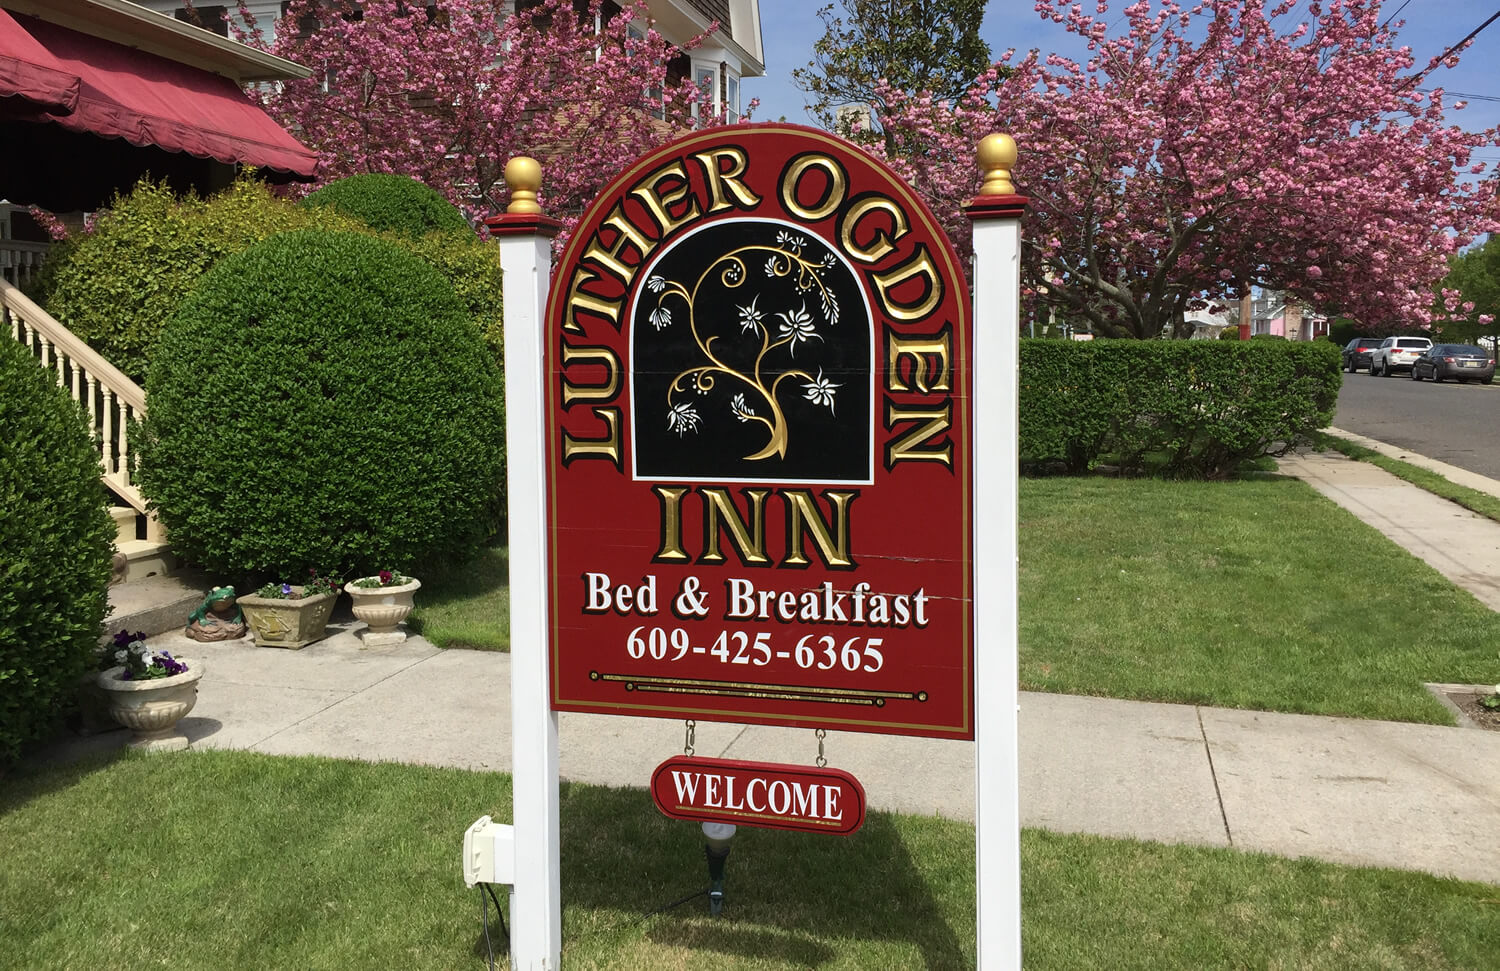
[[15, 323], [62, 380], [89, 402], [77, 381], [124, 444], [107, 405], [46, 351], [30, 333]]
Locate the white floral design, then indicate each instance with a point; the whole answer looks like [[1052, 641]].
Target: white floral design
[[661, 317], [750, 317], [830, 307], [820, 391], [683, 418], [795, 243], [741, 410], [656, 284], [798, 325]]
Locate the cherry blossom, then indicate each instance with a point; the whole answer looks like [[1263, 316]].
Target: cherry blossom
[[1202, 150]]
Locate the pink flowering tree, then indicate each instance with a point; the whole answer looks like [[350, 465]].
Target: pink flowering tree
[[1467, 304], [1202, 150], [447, 93]]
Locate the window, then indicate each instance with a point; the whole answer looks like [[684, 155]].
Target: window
[[208, 17], [706, 80], [731, 98], [653, 94]]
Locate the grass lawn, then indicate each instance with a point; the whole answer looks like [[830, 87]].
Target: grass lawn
[[468, 606], [238, 860], [1472, 499], [1250, 594]]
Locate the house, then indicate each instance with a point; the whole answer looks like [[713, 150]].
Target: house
[[1277, 314], [729, 55], [93, 94]]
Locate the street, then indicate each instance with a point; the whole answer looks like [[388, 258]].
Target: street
[[1454, 423]]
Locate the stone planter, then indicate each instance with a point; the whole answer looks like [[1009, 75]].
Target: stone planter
[[383, 608], [152, 709], [288, 623]]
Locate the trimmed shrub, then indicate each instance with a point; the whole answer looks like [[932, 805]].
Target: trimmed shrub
[[55, 548], [473, 268], [1187, 409], [117, 286], [322, 400], [1231, 333], [391, 203]]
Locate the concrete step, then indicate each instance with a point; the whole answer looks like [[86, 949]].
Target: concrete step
[[145, 558], [154, 604], [124, 518]]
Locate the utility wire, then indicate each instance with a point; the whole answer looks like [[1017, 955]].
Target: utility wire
[[1439, 60], [1396, 14]]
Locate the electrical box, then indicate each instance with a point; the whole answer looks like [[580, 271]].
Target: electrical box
[[489, 853]]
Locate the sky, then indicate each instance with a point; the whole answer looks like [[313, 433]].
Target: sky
[[789, 28]]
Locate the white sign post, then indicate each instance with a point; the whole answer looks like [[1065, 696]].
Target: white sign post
[[526, 258], [996, 216], [525, 255]]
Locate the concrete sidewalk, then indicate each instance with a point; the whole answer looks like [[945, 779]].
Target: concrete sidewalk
[[1461, 545], [1353, 791], [1349, 790]]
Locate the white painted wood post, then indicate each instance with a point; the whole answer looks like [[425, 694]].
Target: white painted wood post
[[996, 217], [526, 258]]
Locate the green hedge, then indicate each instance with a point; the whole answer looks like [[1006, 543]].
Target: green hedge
[[55, 547], [117, 286], [391, 203], [322, 400], [1185, 409]]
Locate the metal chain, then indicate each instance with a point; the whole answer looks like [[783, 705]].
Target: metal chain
[[822, 734], [687, 743]]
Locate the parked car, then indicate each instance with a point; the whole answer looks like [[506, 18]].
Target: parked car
[[1461, 362], [1397, 354], [1357, 353]]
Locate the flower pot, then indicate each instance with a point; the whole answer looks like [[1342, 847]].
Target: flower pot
[[288, 623], [383, 608], [152, 709]]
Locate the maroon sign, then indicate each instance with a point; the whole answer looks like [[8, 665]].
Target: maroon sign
[[761, 794], [758, 463]]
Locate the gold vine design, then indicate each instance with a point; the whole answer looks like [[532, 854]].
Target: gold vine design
[[797, 326]]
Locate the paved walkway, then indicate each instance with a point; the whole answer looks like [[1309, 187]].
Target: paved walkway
[[1349, 790]]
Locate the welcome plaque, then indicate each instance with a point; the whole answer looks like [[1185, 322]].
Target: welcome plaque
[[758, 495]]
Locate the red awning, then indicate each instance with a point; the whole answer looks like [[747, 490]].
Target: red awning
[[147, 100], [28, 71]]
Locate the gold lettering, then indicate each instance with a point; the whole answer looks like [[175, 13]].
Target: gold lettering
[[904, 449], [658, 203], [803, 518], [919, 266], [671, 524], [579, 300], [838, 185], [590, 392], [607, 447], [918, 349], [881, 245], [612, 258], [718, 180], [749, 541]]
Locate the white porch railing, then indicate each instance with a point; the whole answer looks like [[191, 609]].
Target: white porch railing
[[110, 399], [21, 260]]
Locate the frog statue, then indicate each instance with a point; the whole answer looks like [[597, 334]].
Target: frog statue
[[218, 617]]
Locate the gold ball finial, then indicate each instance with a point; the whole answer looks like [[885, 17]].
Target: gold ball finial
[[524, 177], [997, 156]]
